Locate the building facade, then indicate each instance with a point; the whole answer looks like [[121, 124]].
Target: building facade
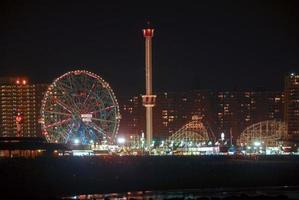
[[20, 104], [222, 112], [237, 110], [292, 105]]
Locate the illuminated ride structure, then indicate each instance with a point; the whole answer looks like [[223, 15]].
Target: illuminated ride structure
[[149, 99], [267, 133], [194, 132], [80, 107]]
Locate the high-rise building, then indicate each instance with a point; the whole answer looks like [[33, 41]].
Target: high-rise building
[[132, 112], [20, 104], [175, 109], [237, 110], [172, 112], [222, 112], [292, 105]]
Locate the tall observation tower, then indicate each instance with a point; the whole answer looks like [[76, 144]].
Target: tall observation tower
[[148, 99]]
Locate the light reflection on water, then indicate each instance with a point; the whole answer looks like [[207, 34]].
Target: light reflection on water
[[139, 195], [287, 192]]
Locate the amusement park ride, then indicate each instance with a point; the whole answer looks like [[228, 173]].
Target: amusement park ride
[[80, 107]]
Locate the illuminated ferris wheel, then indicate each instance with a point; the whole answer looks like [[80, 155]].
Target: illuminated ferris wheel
[[80, 107]]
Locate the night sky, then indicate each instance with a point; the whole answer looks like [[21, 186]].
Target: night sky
[[219, 45]]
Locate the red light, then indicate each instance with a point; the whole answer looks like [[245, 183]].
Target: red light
[[24, 82], [19, 118], [148, 32], [17, 82]]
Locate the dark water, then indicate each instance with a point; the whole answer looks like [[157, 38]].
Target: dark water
[[280, 193], [51, 177]]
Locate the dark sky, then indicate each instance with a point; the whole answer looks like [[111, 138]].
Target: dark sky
[[204, 45]]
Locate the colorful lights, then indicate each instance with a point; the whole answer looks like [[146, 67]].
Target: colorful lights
[[89, 117]]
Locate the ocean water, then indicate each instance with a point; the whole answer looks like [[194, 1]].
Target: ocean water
[[282, 192]]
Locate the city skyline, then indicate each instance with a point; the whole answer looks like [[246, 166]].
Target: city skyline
[[245, 45], [181, 106], [149, 99], [234, 82]]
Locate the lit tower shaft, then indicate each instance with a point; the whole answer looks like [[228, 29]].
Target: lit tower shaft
[[148, 99]]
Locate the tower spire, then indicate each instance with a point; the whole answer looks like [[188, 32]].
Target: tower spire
[[148, 99]]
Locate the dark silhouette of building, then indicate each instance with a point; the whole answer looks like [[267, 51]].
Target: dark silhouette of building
[[223, 111], [237, 110], [292, 105], [29, 147]]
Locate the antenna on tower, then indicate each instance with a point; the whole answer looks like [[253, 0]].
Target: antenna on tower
[[148, 23]]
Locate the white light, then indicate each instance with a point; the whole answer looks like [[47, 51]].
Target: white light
[[82, 152], [222, 136], [86, 117], [292, 74], [257, 143], [91, 141], [76, 141], [121, 140], [153, 144]]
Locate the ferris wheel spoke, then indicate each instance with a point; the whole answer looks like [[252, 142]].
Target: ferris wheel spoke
[[68, 132], [109, 113], [68, 89], [58, 113], [70, 100], [65, 107], [64, 85], [60, 134], [71, 108], [101, 110], [74, 104], [89, 93], [64, 88], [97, 128], [58, 123], [102, 120], [89, 133]]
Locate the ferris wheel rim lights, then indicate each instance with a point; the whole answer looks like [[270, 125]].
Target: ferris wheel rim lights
[[85, 117]]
